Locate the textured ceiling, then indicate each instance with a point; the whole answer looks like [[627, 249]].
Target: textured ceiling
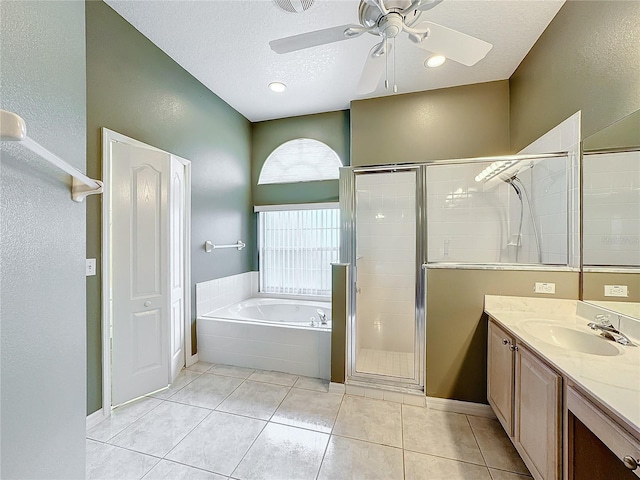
[[225, 45]]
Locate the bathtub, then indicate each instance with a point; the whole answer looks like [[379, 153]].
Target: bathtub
[[270, 334]]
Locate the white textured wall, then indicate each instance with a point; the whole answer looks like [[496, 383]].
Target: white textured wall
[[611, 199], [42, 241]]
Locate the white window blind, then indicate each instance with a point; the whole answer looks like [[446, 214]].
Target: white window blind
[[297, 248], [300, 160]]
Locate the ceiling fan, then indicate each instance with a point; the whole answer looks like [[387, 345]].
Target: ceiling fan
[[387, 19]]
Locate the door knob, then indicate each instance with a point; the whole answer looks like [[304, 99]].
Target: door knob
[[147, 303]]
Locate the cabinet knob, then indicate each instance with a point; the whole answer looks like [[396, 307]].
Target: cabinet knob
[[147, 303], [505, 341], [513, 348], [630, 462]]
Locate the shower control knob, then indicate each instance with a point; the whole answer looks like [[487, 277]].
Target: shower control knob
[[147, 303]]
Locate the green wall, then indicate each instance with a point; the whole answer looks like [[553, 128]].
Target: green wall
[[331, 128], [136, 89], [458, 122], [587, 59], [42, 244]]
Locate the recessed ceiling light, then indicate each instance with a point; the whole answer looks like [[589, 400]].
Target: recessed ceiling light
[[277, 87], [435, 61]]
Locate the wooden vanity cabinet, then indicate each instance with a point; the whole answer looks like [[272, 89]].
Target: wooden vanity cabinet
[[500, 375], [526, 396], [538, 415]]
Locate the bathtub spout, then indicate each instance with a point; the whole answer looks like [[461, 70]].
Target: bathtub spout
[[322, 316]]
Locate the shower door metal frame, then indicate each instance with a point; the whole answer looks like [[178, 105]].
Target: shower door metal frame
[[348, 255]]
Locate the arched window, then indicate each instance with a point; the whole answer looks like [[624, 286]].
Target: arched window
[[300, 160]]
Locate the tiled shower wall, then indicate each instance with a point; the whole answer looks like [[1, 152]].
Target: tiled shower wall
[[611, 202], [464, 223], [546, 184], [221, 292], [386, 260], [476, 222]]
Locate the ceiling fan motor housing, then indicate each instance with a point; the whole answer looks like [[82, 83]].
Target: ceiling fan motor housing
[[391, 25]]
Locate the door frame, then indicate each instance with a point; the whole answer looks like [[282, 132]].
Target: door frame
[[348, 255], [108, 138]]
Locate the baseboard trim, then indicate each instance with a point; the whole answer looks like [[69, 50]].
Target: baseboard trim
[[458, 406], [191, 360], [95, 418], [336, 387]]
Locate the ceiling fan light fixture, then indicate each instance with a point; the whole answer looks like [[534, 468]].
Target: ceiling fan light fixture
[[435, 61], [277, 87]]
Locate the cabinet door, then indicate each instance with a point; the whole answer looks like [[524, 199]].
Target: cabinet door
[[537, 415], [500, 375]]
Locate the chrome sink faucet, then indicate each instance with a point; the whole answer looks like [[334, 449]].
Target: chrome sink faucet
[[607, 329], [322, 316]]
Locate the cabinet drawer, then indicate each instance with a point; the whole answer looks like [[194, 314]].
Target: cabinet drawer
[[613, 436]]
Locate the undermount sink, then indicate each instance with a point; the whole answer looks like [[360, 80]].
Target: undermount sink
[[570, 338]]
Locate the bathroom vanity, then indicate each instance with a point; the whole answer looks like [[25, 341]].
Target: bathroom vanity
[[568, 398]]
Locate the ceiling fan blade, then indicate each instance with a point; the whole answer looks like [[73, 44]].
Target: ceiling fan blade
[[373, 69], [455, 45], [313, 39]]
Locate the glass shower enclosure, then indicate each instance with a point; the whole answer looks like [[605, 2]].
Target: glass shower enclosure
[[381, 211]]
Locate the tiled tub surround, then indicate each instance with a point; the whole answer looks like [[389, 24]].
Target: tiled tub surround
[[218, 422], [613, 381], [611, 198], [221, 292]]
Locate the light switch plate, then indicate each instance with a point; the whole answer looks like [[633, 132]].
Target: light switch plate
[[616, 291], [91, 267], [549, 288]]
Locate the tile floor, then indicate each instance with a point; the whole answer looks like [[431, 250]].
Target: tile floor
[[382, 362], [221, 422]]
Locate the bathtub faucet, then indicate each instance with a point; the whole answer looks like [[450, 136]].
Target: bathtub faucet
[[322, 316]]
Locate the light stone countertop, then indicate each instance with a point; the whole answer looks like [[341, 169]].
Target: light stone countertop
[[612, 381]]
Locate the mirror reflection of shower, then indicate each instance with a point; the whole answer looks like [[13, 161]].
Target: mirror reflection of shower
[[514, 181]]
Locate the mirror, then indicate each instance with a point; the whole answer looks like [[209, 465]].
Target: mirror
[[611, 217]]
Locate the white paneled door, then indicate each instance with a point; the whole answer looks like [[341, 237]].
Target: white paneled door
[[177, 203], [147, 209]]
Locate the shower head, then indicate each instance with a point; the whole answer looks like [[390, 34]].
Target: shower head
[[510, 181]]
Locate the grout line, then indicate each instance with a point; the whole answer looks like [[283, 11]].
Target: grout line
[[404, 467], [475, 438], [183, 464]]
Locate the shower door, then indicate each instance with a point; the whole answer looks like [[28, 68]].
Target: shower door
[[387, 323]]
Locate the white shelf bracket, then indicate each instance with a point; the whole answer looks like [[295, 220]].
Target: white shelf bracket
[[80, 191]]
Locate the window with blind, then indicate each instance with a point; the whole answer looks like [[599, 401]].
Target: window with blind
[[296, 249]]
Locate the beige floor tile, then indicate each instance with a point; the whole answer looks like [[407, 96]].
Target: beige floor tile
[[283, 453], [254, 399], [200, 367], [277, 378], [121, 418], [418, 466], [184, 378], [161, 429], [370, 420], [444, 434], [496, 448], [106, 462], [166, 470], [207, 391], [315, 384], [218, 443], [347, 458], [231, 371], [502, 475], [307, 409]]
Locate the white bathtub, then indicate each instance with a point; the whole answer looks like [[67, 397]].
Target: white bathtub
[[270, 334]]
